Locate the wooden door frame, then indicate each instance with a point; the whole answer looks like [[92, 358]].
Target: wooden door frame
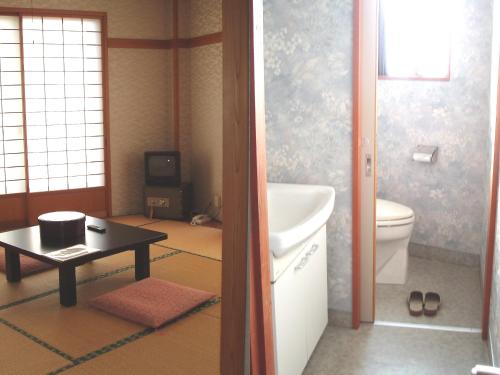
[[356, 169], [261, 308], [356, 197], [492, 223], [236, 134]]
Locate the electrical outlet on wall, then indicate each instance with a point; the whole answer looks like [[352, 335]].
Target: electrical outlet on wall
[[217, 201], [158, 202]]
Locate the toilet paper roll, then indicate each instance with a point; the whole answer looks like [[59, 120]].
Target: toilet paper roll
[[424, 158]]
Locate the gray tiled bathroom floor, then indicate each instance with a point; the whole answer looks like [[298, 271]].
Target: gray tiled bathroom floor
[[375, 350], [381, 350], [458, 286]]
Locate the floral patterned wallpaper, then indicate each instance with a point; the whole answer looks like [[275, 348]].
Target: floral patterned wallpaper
[[448, 197], [308, 59]]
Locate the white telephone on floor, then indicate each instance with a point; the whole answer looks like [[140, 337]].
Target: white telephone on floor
[[200, 219]]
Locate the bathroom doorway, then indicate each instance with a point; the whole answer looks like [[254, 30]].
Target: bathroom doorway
[[428, 232]]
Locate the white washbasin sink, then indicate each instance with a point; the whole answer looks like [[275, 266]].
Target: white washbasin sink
[[295, 213]]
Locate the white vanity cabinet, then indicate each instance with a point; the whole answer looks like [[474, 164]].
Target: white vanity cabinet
[[300, 309]]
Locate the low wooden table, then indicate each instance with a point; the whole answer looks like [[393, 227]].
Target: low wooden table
[[116, 239]]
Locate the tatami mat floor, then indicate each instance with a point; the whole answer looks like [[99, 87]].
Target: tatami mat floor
[[82, 340]]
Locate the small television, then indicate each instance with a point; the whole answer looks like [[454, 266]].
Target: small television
[[163, 168]]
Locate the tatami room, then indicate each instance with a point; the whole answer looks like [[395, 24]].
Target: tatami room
[[89, 87]]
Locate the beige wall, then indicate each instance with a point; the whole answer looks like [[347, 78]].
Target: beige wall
[[201, 99], [140, 88], [140, 106]]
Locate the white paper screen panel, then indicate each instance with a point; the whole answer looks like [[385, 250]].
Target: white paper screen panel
[[12, 166], [64, 104]]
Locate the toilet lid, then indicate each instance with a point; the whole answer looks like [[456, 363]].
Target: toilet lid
[[389, 211]]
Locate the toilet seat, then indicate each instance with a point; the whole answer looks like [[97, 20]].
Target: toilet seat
[[392, 214]]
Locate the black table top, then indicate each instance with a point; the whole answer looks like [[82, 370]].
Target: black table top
[[117, 238]]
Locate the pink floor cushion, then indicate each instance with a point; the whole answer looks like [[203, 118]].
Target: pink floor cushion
[[151, 302], [29, 266]]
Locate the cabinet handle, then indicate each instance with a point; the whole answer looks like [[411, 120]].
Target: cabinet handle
[[313, 250], [301, 264]]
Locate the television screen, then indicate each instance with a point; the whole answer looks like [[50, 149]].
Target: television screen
[[163, 168]]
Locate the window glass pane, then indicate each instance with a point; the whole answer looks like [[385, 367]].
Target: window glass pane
[[79, 169], [38, 172], [37, 158], [95, 180], [35, 105], [13, 187], [34, 78], [32, 50], [14, 160], [53, 50], [53, 64], [11, 92], [92, 51], [76, 143], [73, 64], [77, 182], [64, 103], [14, 173], [12, 119], [32, 36], [38, 185], [37, 132], [9, 50], [76, 104], [13, 133], [73, 37], [52, 23], [36, 145], [10, 78], [73, 50], [74, 91], [54, 91], [58, 171], [9, 36], [94, 129], [91, 25], [95, 168], [12, 106], [93, 91], [91, 38], [12, 64], [56, 131], [34, 91], [72, 24], [95, 143], [58, 183], [9, 23]]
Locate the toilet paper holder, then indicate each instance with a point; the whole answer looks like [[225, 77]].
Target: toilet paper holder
[[425, 154]]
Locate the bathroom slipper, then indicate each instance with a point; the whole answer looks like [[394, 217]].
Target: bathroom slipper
[[416, 303], [431, 303]]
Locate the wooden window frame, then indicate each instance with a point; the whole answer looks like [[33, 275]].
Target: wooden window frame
[[35, 203]]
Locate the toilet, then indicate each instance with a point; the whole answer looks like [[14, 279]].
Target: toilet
[[394, 228]]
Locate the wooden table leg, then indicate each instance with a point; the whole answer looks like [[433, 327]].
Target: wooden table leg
[[12, 265], [142, 262], [67, 285]]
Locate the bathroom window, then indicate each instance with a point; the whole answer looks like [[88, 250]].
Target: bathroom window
[[414, 39], [51, 107]]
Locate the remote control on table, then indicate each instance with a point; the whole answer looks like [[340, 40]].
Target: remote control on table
[[96, 228]]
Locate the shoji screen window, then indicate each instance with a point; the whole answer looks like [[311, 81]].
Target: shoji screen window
[[64, 104], [12, 166]]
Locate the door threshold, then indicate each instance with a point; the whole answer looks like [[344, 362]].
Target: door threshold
[[432, 327]]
